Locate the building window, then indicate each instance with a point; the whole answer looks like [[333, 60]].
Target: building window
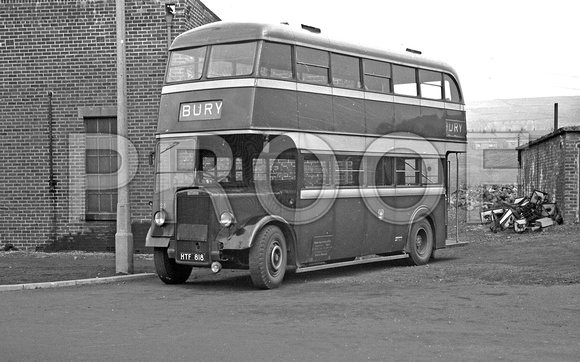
[[102, 164]]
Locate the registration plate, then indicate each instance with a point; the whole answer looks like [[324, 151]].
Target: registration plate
[[199, 257]]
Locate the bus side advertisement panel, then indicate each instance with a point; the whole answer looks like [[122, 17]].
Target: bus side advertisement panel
[[275, 108], [217, 109], [349, 115], [380, 117], [408, 119], [315, 112], [432, 122]]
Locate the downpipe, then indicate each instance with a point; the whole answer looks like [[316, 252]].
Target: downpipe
[[578, 184], [51, 180]]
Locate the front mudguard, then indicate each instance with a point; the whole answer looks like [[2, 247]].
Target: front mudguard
[[243, 236], [155, 241]]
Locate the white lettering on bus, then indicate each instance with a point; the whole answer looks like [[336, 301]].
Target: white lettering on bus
[[197, 109], [453, 127], [186, 110], [201, 110]]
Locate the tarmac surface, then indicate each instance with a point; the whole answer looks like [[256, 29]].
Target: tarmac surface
[[374, 312], [505, 297]]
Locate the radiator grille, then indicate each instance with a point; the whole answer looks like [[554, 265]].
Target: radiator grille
[[193, 216]]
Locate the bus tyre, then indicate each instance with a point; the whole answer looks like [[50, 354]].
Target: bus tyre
[[268, 256], [168, 270], [420, 243]]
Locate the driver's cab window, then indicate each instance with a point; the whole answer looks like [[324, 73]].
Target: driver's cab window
[[219, 169]]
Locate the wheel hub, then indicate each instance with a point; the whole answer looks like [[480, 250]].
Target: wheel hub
[[276, 258]]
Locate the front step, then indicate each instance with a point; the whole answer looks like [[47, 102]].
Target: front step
[[353, 262]]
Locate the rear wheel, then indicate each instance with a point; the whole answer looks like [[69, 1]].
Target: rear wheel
[[168, 270], [421, 242], [268, 257]]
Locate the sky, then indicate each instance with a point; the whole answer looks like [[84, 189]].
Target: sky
[[500, 49]]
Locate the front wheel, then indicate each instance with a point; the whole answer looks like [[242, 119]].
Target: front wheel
[[421, 242], [268, 256], [168, 270]]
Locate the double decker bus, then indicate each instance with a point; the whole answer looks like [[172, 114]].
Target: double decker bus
[[279, 149]]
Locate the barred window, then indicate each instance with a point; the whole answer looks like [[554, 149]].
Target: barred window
[[102, 163]]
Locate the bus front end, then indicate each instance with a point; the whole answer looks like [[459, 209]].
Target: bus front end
[[208, 208]]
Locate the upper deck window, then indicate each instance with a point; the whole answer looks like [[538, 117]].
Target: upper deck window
[[431, 84], [377, 76], [451, 89], [185, 64], [345, 71], [230, 60], [313, 65], [276, 61], [404, 80]]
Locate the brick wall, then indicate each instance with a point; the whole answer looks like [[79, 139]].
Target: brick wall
[[551, 165], [68, 48]]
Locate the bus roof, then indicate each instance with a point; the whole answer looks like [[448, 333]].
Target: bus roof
[[231, 32]]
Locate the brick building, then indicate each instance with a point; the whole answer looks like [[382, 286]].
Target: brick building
[[58, 109], [551, 164]]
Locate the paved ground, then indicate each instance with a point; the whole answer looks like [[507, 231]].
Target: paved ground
[[549, 257], [506, 296]]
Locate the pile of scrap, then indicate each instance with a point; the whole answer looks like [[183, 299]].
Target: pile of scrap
[[483, 196], [533, 212]]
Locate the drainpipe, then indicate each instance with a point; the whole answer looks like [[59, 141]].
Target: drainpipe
[[51, 180], [169, 14], [578, 183]]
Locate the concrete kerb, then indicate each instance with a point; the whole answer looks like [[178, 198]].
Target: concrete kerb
[[70, 283]]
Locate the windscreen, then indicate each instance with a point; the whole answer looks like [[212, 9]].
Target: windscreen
[[232, 161], [185, 64]]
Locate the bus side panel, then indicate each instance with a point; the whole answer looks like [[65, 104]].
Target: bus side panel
[[432, 123], [349, 115], [380, 117], [408, 119], [436, 205], [275, 108], [426, 122], [315, 239], [315, 112], [349, 228], [245, 205], [439, 221], [380, 234]]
